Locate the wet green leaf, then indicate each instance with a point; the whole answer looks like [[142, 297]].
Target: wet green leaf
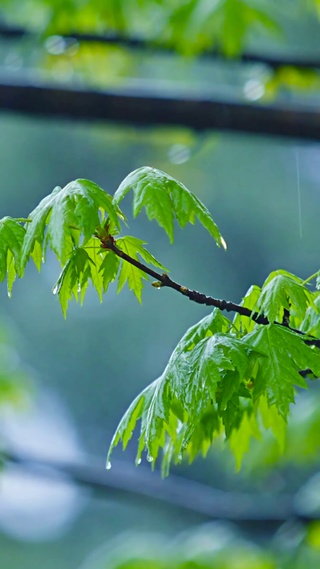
[[166, 199]]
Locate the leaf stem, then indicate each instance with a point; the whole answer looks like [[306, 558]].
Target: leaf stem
[[309, 279]]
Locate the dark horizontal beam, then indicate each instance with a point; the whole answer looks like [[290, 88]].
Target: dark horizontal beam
[[147, 107], [125, 481], [134, 42]]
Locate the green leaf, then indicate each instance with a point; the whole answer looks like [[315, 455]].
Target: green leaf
[[243, 323], [209, 325], [73, 279], [165, 199], [187, 406], [311, 321], [109, 269], [128, 272], [11, 239], [86, 263], [209, 362], [283, 291], [138, 246], [286, 354], [239, 441], [104, 266], [68, 217], [271, 419], [96, 257]]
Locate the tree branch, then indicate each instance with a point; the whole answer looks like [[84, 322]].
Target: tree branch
[[163, 280]]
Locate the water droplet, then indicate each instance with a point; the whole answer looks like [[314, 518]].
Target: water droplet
[[179, 154], [9, 293], [179, 457], [55, 289], [253, 89], [149, 458], [108, 465], [138, 461], [56, 45], [223, 243]]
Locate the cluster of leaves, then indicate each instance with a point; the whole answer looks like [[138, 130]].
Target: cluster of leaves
[[76, 221], [230, 379], [189, 27]]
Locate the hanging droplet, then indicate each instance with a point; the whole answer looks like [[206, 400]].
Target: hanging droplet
[[138, 461], [149, 458], [108, 465], [55, 289]]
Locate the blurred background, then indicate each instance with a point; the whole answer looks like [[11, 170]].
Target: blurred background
[[225, 97]]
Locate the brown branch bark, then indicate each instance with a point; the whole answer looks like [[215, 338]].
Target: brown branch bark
[[163, 280]]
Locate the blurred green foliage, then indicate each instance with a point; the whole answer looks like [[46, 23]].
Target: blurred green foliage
[[189, 27], [211, 546]]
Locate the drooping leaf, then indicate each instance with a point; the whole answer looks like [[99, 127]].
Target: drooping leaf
[[244, 323], [104, 266], [166, 199], [96, 257], [240, 437], [85, 264], [11, 238], [128, 272], [271, 419], [209, 325], [109, 269], [184, 409], [286, 354], [195, 26], [73, 279], [138, 245], [68, 217], [311, 321], [283, 291]]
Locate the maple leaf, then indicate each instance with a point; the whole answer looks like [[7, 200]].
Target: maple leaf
[[166, 199], [68, 217], [185, 407], [73, 279], [278, 373], [11, 238], [128, 272], [283, 291]]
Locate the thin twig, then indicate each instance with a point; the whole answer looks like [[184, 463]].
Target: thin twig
[[163, 280]]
